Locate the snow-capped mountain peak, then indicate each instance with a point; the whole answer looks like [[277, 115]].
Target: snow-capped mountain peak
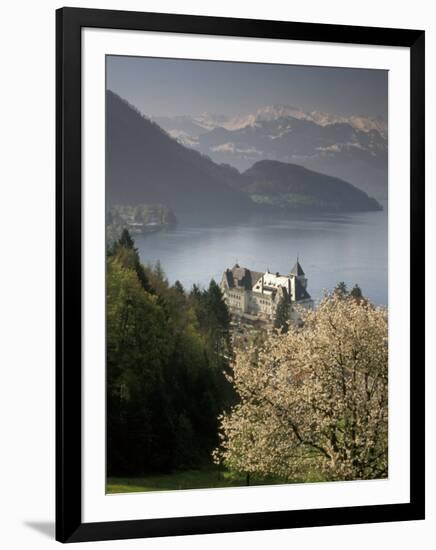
[[274, 112], [351, 147], [363, 123], [209, 121], [271, 113]]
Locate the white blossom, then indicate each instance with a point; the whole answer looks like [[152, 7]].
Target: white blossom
[[314, 400]]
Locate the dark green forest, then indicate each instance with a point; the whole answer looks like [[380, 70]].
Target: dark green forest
[[167, 351]]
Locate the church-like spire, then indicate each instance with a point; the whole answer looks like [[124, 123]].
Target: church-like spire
[[297, 270]]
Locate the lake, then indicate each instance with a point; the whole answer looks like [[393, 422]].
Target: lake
[[331, 248]]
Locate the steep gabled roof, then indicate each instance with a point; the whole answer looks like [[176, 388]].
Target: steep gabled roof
[[255, 276], [297, 270], [300, 292], [241, 277], [229, 278]]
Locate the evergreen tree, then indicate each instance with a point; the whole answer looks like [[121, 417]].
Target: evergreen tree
[[283, 315], [356, 292], [195, 292], [179, 287], [218, 307], [126, 251], [341, 290], [126, 240], [159, 271]]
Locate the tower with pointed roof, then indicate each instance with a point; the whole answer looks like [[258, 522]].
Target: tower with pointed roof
[[298, 273]]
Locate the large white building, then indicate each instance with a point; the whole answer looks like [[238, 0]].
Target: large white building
[[254, 295]]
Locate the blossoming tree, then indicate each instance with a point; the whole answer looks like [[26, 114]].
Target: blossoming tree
[[314, 401]]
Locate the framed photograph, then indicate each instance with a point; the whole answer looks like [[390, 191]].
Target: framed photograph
[[240, 275]]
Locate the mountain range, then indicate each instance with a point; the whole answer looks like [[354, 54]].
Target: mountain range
[[353, 147], [147, 165]]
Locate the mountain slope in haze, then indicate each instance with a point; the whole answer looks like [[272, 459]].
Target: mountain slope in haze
[[290, 187], [145, 165], [353, 147]]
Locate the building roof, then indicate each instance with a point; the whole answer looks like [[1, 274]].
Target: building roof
[[300, 292], [275, 280], [229, 278], [297, 269], [241, 277]]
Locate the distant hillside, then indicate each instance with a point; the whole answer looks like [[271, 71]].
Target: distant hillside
[[353, 148], [145, 165], [289, 186], [138, 219]]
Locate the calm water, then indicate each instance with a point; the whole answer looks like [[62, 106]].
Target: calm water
[[350, 248]]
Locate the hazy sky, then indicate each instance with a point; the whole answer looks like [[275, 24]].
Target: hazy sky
[[181, 87]]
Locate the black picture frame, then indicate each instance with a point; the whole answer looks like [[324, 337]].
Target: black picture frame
[[69, 525]]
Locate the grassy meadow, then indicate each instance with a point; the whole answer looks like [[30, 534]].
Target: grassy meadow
[[204, 478]]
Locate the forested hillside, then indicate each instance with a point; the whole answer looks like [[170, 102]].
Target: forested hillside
[[290, 186], [167, 349], [145, 165]]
